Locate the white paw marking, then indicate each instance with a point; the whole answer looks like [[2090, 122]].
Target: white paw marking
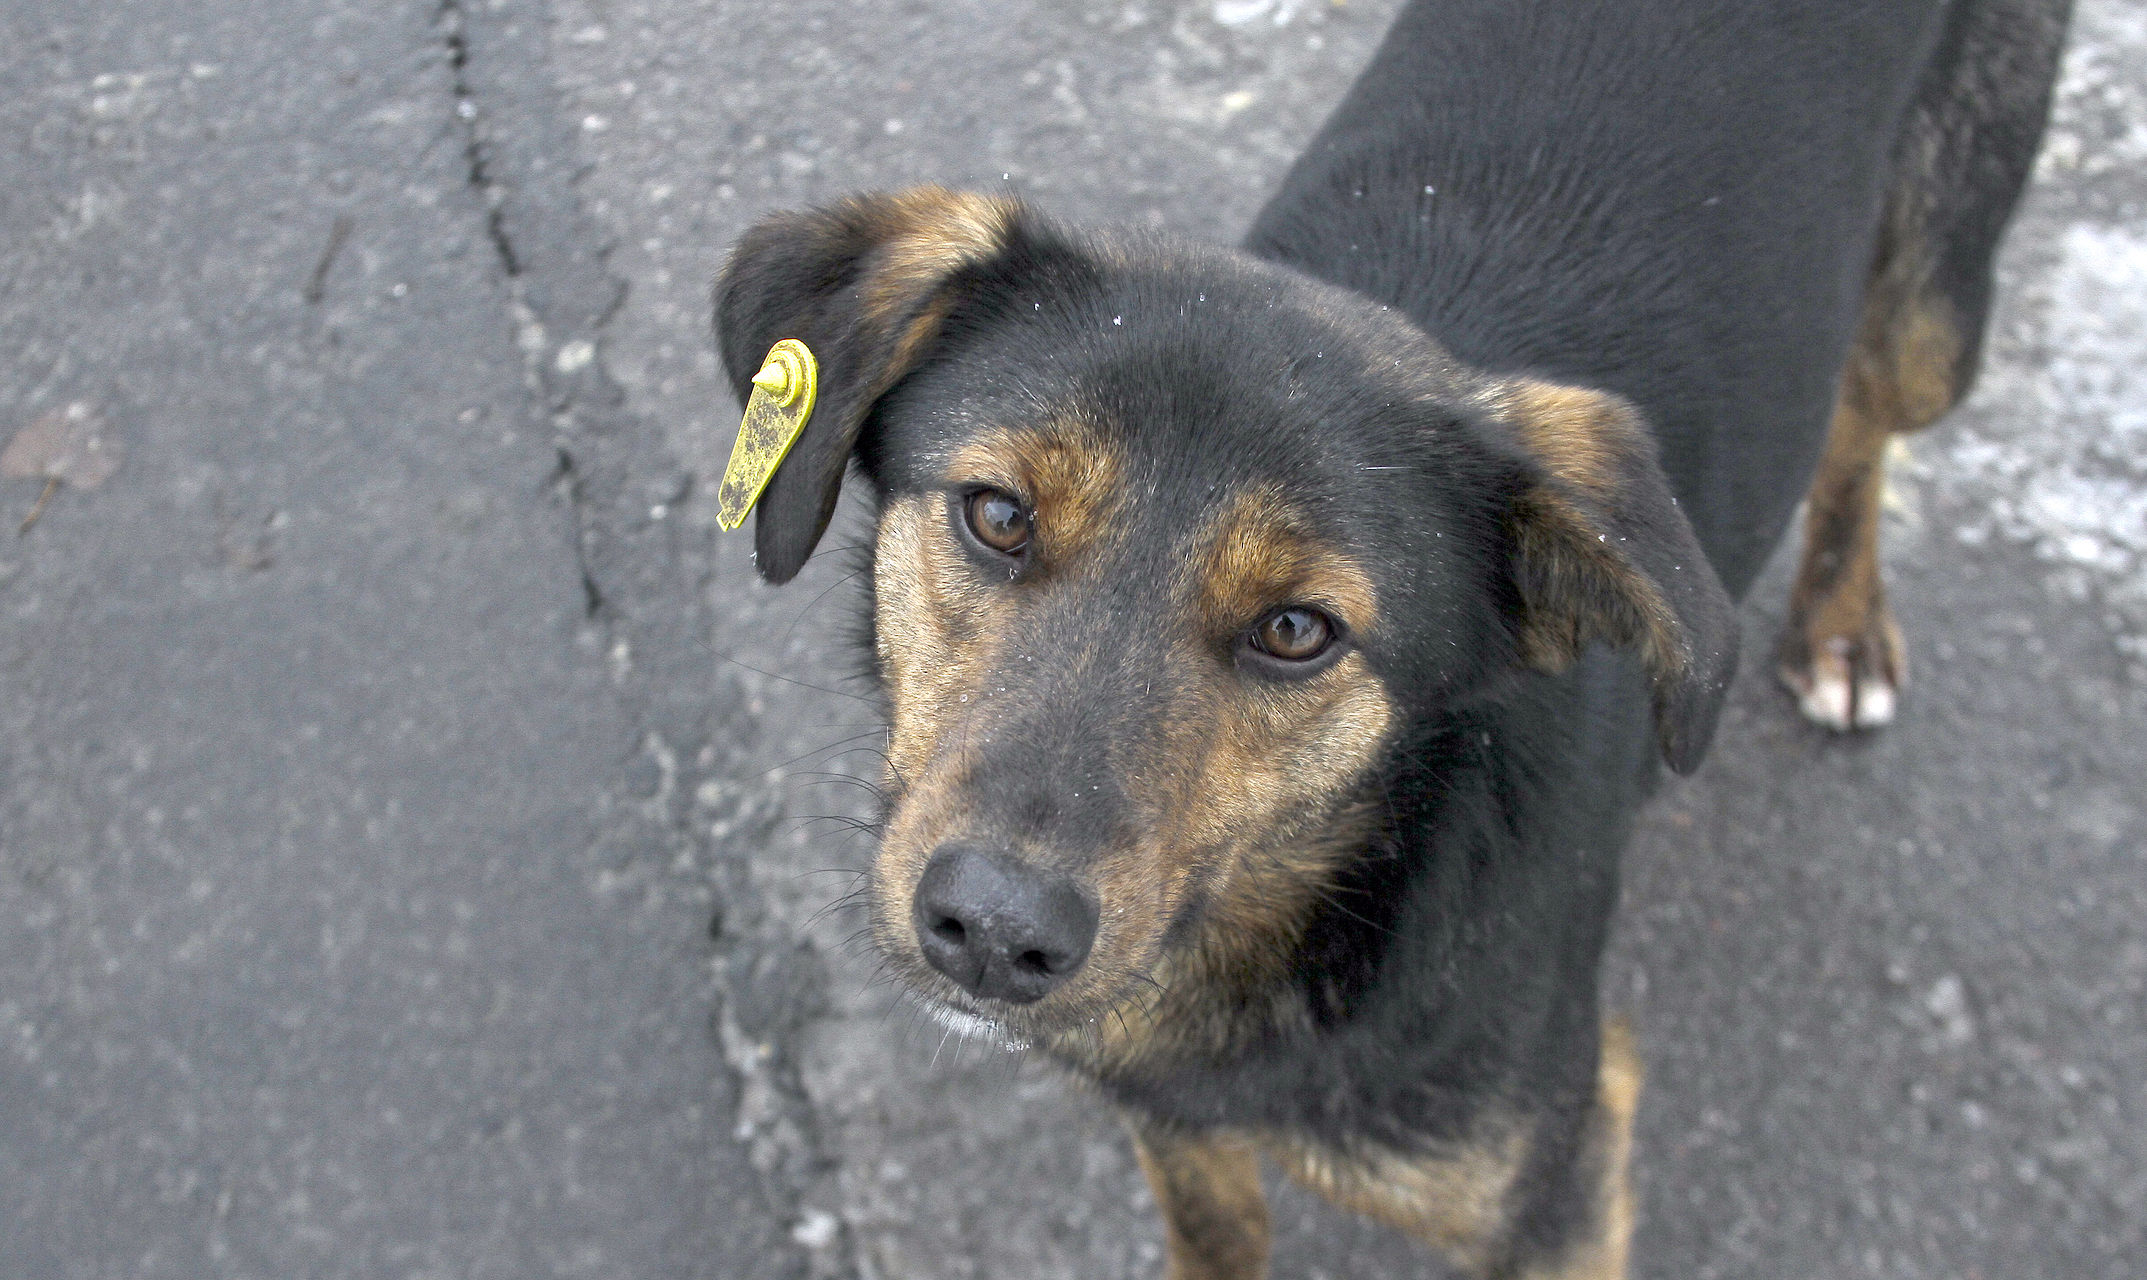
[[1827, 702], [1875, 702]]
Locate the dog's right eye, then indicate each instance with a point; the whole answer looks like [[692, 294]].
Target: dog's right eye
[[1292, 643], [998, 520], [1294, 635]]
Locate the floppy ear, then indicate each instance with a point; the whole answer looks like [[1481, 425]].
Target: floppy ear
[[1602, 552], [864, 284]]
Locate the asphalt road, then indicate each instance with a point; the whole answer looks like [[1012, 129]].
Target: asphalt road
[[408, 854]]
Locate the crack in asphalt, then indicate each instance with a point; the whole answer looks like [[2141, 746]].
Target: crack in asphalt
[[474, 145], [643, 594], [480, 174], [566, 482]]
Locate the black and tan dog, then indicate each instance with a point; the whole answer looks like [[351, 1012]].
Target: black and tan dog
[[1280, 640]]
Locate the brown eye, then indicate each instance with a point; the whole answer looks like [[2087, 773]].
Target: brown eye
[[1294, 635], [999, 521]]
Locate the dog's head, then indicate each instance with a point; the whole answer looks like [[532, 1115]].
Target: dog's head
[[1171, 545]]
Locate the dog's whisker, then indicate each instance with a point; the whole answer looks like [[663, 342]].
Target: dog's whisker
[[843, 581], [820, 750], [827, 778], [854, 825], [802, 684], [854, 898]]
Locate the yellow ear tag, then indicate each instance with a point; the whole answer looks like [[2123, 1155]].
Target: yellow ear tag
[[775, 417]]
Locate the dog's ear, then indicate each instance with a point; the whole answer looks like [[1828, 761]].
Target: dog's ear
[[1601, 551], [865, 284]]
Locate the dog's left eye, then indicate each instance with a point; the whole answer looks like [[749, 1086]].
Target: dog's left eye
[[1295, 634], [998, 520]]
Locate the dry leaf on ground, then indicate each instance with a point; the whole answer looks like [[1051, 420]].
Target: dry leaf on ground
[[66, 445]]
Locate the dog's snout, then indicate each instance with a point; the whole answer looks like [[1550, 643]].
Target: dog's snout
[[999, 928]]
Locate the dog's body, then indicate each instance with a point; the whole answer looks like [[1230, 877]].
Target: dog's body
[[1280, 642]]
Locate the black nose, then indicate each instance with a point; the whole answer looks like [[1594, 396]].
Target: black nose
[[1002, 930]]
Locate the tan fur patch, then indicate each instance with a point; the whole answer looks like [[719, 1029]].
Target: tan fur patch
[[1617, 1099], [1456, 1203], [1460, 1202], [1264, 754], [1577, 432], [1269, 754], [1201, 1001], [1069, 473], [1575, 585], [1575, 589], [1244, 807], [1925, 342], [1260, 552], [930, 232], [1838, 583], [936, 629], [1601, 1252], [1904, 371], [1901, 376], [923, 235], [1214, 1212]]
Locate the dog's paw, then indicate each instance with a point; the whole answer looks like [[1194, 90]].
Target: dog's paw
[[1851, 681]]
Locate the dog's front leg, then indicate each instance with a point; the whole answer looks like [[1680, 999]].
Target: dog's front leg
[[1208, 1187]]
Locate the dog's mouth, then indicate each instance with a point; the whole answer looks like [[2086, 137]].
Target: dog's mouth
[[1001, 1010], [973, 1024], [1081, 1023]]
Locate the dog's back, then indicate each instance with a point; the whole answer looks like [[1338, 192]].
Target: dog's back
[[1675, 201]]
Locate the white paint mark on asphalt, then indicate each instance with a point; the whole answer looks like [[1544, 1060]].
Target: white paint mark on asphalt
[[816, 1229], [575, 355]]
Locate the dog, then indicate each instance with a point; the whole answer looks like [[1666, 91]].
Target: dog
[[1278, 641]]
